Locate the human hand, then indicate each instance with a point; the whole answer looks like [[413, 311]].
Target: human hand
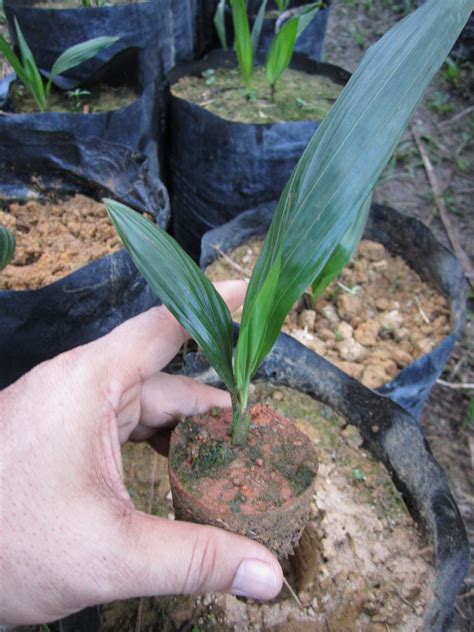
[[71, 536]]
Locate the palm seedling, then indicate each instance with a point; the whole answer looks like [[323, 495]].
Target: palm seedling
[[321, 213], [246, 39], [27, 71]]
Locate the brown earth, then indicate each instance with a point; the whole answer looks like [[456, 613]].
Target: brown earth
[[375, 320], [55, 238], [262, 490]]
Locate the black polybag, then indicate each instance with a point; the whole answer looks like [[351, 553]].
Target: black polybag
[[219, 168], [36, 325], [396, 439], [401, 235], [118, 150], [145, 30]]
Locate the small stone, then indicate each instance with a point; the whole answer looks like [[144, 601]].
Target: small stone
[[317, 345], [345, 330], [371, 250], [374, 376], [367, 333], [277, 396], [390, 368], [348, 306], [315, 604], [392, 320], [380, 266], [383, 304], [307, 318], [326, 335], [169, 496], [350, 368], [402, 358], [259, 462], [330, 314], [351, 350], [424, 345], [171, 516], [305, 598], [352, 436], [252, 389]]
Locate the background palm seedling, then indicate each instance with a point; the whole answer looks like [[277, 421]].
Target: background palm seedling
[[246, 39], [28, 73], [321, 213]]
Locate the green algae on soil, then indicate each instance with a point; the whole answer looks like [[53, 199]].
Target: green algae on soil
[[90, 99], [299, 96]]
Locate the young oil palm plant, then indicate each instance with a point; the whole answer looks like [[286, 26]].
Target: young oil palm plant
[[321, 213], [27, 70]]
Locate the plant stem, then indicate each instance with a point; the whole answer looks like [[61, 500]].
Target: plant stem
[[240, 419]]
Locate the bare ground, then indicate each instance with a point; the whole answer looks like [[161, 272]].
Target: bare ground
[[445, 122]]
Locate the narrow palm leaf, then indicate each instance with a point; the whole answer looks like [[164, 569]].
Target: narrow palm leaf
[[7, 246], [281, 51], [80, 53], [257, 27], [13, 60], [342, 162], [34, 81], [179, 283], [305, 17], [219, 23], [242, 43]]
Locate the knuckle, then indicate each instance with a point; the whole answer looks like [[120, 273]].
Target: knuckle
[[202, 566]]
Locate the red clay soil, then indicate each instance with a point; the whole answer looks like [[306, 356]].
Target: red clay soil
[[262, 490]]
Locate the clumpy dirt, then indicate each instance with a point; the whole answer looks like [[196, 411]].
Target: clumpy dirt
[[55, 238], [362, 565], [299, 96], [371, 323], [96, 98], [262, 490]]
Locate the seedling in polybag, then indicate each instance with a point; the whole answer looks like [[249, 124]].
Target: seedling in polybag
[[27, 70], [320, 215]]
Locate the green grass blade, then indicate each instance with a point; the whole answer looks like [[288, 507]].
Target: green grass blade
[[281, 51], [180, 284], [7, 246], [257, 27], [329, 188], [80, 53], [219, 23], [242, 43]]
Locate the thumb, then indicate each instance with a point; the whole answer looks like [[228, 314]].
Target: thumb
[[163, 557]]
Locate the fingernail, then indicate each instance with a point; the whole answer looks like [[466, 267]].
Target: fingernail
[[256, 579]]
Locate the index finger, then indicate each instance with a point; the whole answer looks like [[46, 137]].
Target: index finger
[[145, 344]]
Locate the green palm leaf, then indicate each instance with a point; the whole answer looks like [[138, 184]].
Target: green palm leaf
[[179, 283], [7, 246], [243, 42], [80, 53]]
